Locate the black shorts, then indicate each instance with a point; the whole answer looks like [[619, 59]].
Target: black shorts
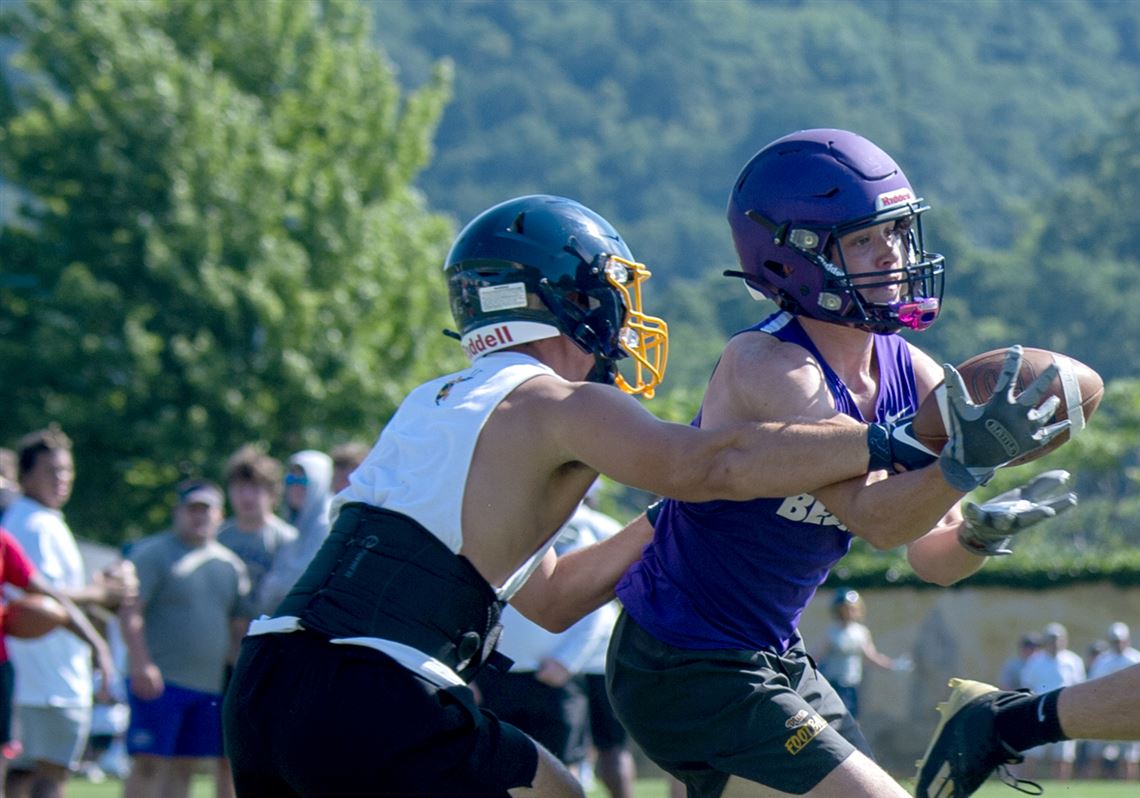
[[707, 715], [606, 731], [556, 717], [306, 717]]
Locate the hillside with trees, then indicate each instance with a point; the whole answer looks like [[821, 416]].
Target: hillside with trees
[[224, 222], [996, 109]]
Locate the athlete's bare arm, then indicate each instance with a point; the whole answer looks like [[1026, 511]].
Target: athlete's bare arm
[[762, 378], [546, 442], [566, 588], [1106, 708]]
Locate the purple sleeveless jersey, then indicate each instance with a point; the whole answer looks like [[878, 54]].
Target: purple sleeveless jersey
[[727, 574]]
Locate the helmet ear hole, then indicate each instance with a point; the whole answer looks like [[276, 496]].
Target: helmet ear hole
[[781, 270]]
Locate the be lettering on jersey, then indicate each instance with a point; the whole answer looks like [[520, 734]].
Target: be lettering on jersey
[[807, 509]]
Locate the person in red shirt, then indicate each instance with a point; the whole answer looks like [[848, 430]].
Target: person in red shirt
[[19, 571]]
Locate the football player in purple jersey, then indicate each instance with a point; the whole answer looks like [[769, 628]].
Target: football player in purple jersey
[[359, 683], [707, 669]]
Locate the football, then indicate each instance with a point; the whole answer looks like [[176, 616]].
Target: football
[[33, 615], [1079, 388]]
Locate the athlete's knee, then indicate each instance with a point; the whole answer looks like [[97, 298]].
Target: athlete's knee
[[858, 776]]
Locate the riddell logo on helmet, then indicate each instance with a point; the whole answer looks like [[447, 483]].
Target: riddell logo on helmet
[[484, 342], [899, 197]]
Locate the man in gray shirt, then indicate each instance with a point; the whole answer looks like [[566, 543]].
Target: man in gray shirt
[[179, 636], [255, 533]]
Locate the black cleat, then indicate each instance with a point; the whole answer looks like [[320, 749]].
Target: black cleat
[[965, 748]]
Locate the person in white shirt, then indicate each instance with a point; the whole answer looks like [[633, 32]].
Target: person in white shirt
[[847, 643], [1121, 759], [544, 692], [54, 689], [1009, 677], [1052, 667], [613, 762]]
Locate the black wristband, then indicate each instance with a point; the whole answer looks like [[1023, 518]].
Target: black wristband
[[893, 444], [654, 510], [879, 446]]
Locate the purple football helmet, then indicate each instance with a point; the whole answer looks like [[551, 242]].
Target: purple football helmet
[[793, 202]]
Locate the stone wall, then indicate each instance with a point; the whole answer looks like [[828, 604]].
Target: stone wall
[[957, 632]]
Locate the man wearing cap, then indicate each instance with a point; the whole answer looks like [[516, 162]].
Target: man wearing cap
[[1051, 668], [1009, 677], [1124, 756], [180, 633]]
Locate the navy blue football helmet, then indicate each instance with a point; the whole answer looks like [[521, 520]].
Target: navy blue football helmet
[[539, 266], [794, 201]]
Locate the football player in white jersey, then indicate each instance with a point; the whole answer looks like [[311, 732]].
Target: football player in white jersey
[[358, 682]]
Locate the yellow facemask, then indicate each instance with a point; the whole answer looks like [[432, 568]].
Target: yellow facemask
[[643, 337]]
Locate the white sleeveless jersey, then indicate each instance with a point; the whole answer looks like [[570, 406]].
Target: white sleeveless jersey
[[420, 464]]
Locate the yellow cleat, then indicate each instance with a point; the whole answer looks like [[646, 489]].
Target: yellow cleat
[[965, 748]]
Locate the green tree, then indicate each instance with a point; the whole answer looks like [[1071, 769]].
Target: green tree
[[217, 211]]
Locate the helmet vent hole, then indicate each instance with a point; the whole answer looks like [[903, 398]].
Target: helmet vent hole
[[518, 224], [778, 269], [829, 194]]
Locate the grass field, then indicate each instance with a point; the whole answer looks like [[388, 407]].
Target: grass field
[[655, 788], [652, 788]]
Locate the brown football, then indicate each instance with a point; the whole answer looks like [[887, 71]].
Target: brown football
[[1079, 388], [33, 615]]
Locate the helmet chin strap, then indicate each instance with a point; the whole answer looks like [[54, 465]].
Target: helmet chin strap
[[604, 371]]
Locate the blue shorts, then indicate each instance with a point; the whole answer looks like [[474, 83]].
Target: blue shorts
[[180, 722]]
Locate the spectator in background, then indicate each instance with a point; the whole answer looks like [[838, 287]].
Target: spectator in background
[[1009, 677], [9, 488], [106, 753], [1093, 652], [1121, 759], [53, 695], [847, 642], [17, 570], [613, 762], [254, 532], [307, 499], [179, 635], [345, 458], [1053, 667], [1082, 763], [983, 728], [544, 693]]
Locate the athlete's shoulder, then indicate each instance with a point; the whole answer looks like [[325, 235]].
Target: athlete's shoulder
[[927, 371], [764, 378], [758, 351]]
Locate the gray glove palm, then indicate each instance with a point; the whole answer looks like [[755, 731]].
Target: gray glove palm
[[989, 527], [984, 437]]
